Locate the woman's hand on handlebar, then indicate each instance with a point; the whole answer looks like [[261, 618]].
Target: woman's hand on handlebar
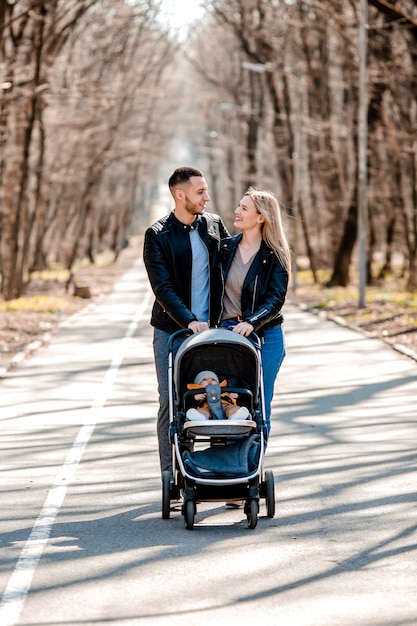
[[243, 328]]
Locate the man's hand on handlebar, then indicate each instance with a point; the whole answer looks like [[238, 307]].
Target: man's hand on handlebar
[[198, 327]]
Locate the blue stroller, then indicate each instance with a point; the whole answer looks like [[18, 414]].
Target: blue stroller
[[217, 459]]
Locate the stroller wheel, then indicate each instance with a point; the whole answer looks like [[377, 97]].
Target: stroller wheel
[[166, 501], [270, 493], [252, 509], [189, 513]]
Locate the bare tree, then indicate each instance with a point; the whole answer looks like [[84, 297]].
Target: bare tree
[[32, 33], [308, 55], [79, 113]]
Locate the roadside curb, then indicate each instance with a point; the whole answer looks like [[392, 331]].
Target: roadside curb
[[23, 354], [41, 341], [341, 322]]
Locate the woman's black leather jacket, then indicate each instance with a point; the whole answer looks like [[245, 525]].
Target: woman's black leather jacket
[[168, 261], [264, 288]]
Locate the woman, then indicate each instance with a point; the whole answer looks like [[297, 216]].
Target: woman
[[256, 267]]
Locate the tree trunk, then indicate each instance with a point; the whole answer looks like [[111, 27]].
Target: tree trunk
[[387, 264], [340, 276], [307, 241]]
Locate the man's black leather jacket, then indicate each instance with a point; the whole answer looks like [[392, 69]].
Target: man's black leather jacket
[[167, 257], [264, 288]]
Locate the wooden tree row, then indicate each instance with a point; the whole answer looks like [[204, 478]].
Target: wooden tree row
[[91, 92], [80, 102], [289, 72]]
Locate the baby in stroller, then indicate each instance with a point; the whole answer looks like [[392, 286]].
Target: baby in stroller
[[211, 403]]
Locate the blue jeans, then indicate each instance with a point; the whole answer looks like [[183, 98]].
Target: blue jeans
[[272, 355], [160, 349]]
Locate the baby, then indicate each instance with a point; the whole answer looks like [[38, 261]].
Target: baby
[[228, 400]]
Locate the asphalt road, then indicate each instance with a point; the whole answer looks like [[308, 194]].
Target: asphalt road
[[81, 534]]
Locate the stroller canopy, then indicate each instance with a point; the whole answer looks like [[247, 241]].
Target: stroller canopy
[[231, 356]]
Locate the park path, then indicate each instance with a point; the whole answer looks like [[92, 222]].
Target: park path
[[82, 538]]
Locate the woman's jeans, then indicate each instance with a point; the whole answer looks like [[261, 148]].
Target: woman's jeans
[[272, 355]]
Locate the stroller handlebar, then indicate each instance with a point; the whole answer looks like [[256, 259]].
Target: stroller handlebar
[[181, 334]]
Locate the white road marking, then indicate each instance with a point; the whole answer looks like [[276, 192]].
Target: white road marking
[[19, 583]]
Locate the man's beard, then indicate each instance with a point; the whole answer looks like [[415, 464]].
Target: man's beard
[[193, 209]]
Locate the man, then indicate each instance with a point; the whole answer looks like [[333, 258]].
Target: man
[[180, 254]]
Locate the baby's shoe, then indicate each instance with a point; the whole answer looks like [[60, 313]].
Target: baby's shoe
[[241, 414], [193, 415]]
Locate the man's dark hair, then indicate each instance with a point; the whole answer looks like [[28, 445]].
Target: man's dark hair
[[183, 175]]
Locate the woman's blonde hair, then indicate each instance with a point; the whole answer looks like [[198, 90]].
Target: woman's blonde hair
[[272, 228]]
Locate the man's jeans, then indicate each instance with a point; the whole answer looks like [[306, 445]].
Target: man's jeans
[[160, 348]]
